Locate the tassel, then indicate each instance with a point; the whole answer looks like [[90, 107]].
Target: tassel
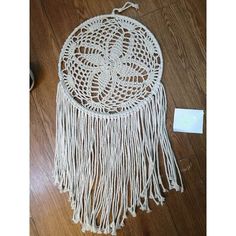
[[109, 164]]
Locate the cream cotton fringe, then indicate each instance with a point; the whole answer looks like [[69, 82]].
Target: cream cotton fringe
[[109, 164]]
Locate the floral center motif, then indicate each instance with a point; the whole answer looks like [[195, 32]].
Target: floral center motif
[[110, 64]]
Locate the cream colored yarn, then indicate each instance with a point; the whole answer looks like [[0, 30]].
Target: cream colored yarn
[[111, 110]]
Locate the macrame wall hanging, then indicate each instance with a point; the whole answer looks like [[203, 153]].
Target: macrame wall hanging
[[111, 113]]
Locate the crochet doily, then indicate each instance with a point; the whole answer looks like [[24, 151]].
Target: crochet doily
[[110, 64]]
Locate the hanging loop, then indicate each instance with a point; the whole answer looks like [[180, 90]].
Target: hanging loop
[[126, 6]]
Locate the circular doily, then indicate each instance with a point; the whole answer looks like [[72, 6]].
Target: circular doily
[[110, 64]]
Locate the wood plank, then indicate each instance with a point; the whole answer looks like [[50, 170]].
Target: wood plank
[[184, 65], [157, 222], [44, 55], [195, 14], [184, 79], [49, 209], [150, 6], [64, 16], [33, 229]]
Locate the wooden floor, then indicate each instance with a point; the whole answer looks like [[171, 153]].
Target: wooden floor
[[180, 28]]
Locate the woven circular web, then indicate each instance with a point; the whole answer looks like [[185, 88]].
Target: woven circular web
[[110, 64]]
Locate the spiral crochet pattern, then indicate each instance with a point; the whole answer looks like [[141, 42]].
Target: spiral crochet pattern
[[111, 109]]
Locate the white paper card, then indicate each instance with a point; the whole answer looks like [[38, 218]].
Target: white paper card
[[188, 121]]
